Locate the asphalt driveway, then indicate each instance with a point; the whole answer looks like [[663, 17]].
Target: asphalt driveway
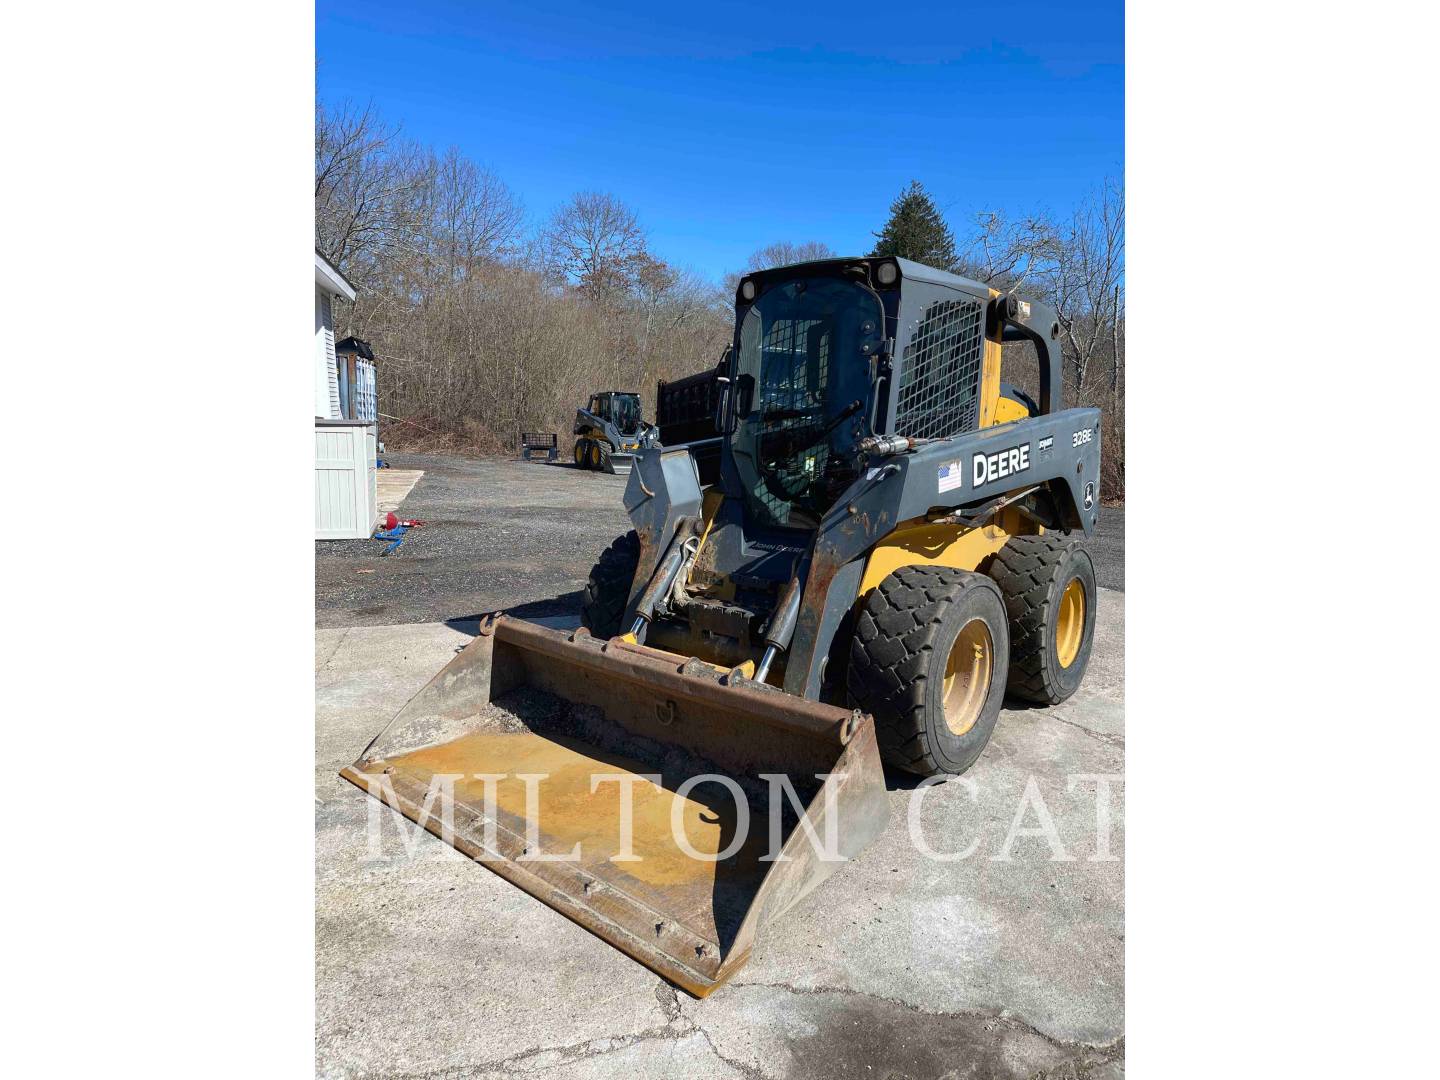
[[515, 535]]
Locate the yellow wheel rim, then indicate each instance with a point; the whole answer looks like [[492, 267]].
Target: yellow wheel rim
[[968, 671], [579, 453], [1070, 627]]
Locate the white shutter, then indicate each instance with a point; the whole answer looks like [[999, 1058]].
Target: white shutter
[[332, 371]]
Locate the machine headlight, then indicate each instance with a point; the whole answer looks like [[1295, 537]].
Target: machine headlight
[[747, 290], [887, 273]]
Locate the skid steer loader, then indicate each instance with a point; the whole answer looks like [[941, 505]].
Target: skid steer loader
[[610, 430], [885, 553]]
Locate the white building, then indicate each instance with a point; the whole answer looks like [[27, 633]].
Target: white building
[[329, 283], [345, 446]]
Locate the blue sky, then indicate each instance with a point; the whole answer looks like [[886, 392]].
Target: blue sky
[[727, 127]]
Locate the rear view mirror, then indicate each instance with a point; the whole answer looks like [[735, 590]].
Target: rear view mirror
[[722, 404]]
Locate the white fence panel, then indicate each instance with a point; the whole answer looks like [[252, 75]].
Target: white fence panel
[[344, 479]]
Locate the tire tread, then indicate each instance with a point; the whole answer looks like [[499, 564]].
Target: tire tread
[[890, 655], [1026, 569], [608, 588]]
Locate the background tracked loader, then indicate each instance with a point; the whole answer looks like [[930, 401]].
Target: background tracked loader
[[611, 428], [883, 553]]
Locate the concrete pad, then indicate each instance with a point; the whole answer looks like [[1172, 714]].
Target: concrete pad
[[391, 488], [985, 966]]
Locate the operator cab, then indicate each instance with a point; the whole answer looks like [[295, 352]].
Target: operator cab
[[618, 407], [804, 372]]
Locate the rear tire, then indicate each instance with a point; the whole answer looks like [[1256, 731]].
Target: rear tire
[[608, 590], [1049, 588], [579, 452], [928, 661]]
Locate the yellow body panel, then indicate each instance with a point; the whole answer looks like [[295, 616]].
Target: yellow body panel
[[917, 543], [995, 409], [990, 399], [990, 378], [1007, 409], [709, 507]]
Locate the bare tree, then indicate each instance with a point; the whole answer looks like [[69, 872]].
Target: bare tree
[[475, 216], [369, 189], [784, 253], [1088, 282], [473, 340], [780, 253], [1005, 252], [594, 239], [1077, 266]]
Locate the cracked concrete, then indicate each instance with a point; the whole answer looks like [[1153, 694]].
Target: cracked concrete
[[429, 966], [1008, 962]]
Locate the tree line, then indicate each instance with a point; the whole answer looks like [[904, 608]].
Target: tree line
[[486, 324]]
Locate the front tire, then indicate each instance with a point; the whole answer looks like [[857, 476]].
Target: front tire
[[928, 661], [608, 590], [1049, 588]]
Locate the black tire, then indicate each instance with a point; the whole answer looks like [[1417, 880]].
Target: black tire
[[1033, 573], [608, 590], [578, 454], [904, 634], [603, 460]]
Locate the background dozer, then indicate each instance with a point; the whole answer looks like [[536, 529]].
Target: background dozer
[[885, 552], [611, 428]]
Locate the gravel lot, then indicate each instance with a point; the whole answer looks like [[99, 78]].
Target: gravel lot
[[512, 534]]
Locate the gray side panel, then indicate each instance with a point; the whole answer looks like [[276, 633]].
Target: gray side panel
[[804, 668], [913, 272], [1064, 447], [585, 418], [663, 489]]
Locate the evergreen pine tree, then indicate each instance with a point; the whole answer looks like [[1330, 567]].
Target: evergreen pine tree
[[916, 230]]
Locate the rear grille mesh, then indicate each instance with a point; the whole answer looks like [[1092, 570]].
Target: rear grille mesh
[[940, 372]]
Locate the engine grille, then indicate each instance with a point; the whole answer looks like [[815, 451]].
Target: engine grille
[[940, 371]]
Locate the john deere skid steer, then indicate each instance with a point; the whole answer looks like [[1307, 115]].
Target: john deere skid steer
[[611, 429], [885, 554]]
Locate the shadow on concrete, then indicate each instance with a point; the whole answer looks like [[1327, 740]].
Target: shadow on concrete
[[560, 612]]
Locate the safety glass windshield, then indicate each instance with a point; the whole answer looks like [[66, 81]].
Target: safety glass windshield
[[803, 373], [627, 412]]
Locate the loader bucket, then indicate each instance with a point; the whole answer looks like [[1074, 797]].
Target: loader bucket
[[524, 749]]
